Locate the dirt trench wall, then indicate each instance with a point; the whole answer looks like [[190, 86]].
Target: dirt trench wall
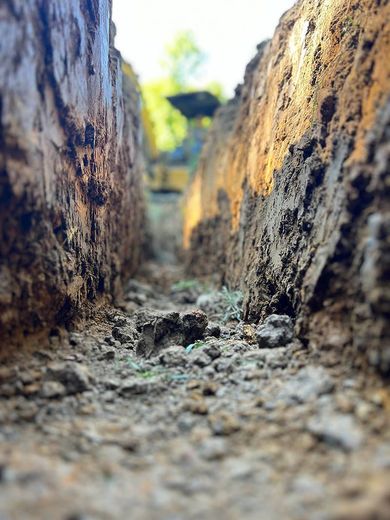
[[292, 194], [70, 195]]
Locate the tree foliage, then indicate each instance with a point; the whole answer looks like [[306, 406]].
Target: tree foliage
[[182, 63]]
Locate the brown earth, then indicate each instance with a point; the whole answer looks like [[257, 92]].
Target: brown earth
[[291, 196], [224, 429], [166, 403], [71, 204]]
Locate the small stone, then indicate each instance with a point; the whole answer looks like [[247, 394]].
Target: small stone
[[30, 376], [246, 331], [212, 351], [6, 374], [8, 390], [213, 330], [52, 389], [75, 338], [196, 406], [73, 376], [194, 325], [133, 386], [224, 365], [308, 384], [119, 334], [28, 412], [194, 383], [276, 331], [32, 389], [175, 356], [111, 383], [199, 358], [107, 355], [224, 423], [338, 430], [363, 411], [209, 388], [214, 448]]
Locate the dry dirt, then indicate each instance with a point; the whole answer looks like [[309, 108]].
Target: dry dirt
[[221, 430]]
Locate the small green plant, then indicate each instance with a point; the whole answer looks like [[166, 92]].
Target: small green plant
[[184, 285], [232, 301], [144, 374], [193, 346]]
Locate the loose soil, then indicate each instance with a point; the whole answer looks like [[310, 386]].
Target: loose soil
[[221, 429]]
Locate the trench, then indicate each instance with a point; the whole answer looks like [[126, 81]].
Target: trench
[[218, 351]]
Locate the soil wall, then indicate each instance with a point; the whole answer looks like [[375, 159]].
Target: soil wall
[[70, 193], [292, 194]]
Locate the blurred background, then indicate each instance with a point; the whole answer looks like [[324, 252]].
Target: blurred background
[[187, 58]]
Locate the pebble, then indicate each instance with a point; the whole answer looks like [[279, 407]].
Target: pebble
[[52, 389], [133, 386], [199, 358], [308, 384], [224, 423], [75, 377], [276, 331], [337, 430], [212, 350], [174, 356], [214, 448]]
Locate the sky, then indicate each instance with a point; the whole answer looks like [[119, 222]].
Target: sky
[[226, 30]]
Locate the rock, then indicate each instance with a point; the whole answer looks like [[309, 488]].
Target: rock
[[134, 386], [199, 358], [174, 356], [307, 385], [224, 365], [160, 330], [211, 303], [111, 383], [123, 335], [73, 376], [276, 331], [214, 448], [246, 331], [107, 354], [31, 389], [209, 388], [337, 430], [52, 389], [6, 374], [196, 405], [213, 330], [194, 325], [224, 423], [212, 351]]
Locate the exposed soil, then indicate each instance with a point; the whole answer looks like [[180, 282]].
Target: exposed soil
[[221, 429], [291, 199]]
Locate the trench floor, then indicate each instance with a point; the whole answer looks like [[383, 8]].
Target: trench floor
[[222, 429]]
